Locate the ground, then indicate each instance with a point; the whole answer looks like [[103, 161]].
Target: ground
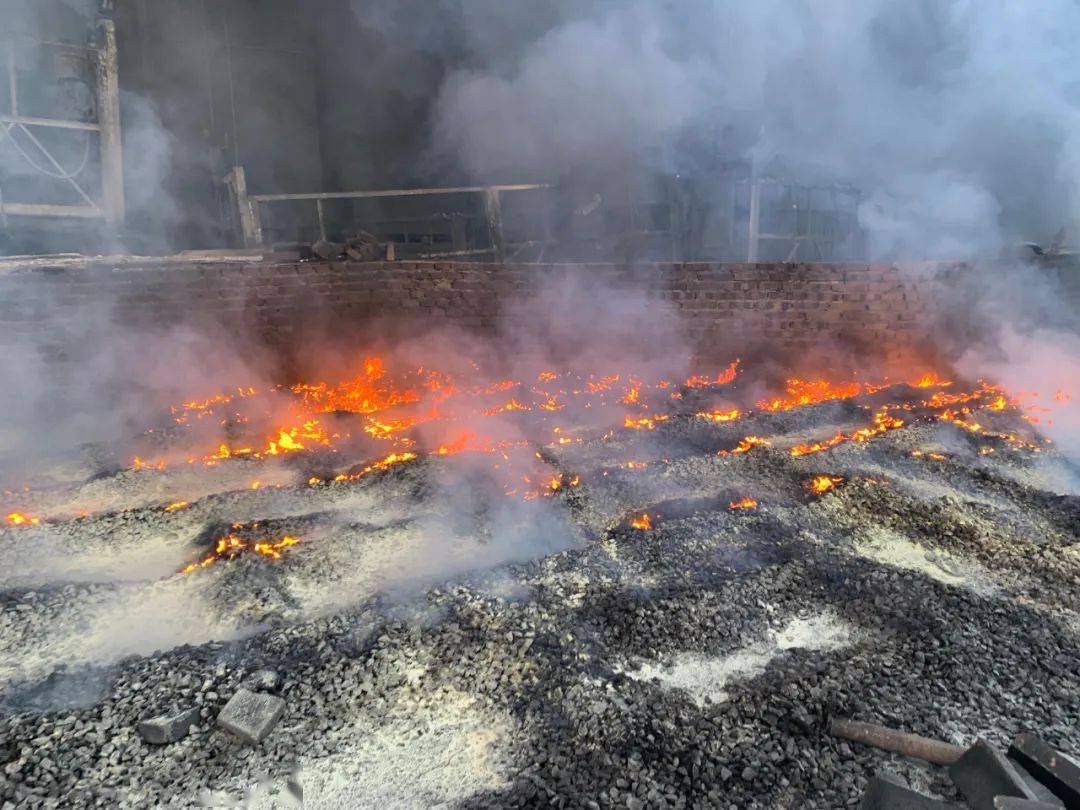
[[552, 653]]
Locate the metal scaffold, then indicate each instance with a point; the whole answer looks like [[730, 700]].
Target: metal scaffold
[[97, 194]]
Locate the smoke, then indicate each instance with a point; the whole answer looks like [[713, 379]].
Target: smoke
[[957, 120]]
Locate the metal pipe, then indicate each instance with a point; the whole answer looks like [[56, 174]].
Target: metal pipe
[[899, 742]]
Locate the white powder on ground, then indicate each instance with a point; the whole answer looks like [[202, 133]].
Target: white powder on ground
[[706, 676], [890, 548], [429, 759]]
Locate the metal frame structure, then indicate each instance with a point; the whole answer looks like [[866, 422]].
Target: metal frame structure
[[823, 243], [111, 206], [249, 207]]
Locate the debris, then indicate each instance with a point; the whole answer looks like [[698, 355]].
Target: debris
[[910, 745], [263, 680], [887, 791], [166, 729], [1013, 803], [982, 774], [1057, 772], [251, 715]]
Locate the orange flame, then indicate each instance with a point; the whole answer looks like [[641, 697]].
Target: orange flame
[[22, 519], [642, 522], [820, 484], [745, 503]]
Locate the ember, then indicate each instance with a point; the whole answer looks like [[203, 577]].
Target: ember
[[821, 484]]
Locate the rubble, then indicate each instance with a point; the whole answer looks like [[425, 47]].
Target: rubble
[[168, 728], [251, 715], [545, 642]]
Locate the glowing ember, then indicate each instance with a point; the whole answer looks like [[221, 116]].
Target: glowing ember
[[745, 445], [721, 416], [883, 423], [801, 393], [21, 519], [745, 503], [383, 464], [643, 522], [820, 484], [232, 546], [723, 378]]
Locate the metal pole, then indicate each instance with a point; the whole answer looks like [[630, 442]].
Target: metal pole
[[13, 80], [493, 212], [112, 151], [754, 227], [248, 209], [322, 219]]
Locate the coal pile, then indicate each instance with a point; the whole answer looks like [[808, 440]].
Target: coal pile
[[669, 617]]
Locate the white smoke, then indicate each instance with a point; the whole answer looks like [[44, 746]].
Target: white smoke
[[957, 119]]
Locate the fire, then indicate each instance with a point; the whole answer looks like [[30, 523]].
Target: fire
[[745, 503], [383, 464], [801, 393], [232, 546], [745, 445], [643, 522], [723, 378], [645, 422], [22, 519], [930, 380], [176, 506], [883, 423], [720, 416], [820, 484]]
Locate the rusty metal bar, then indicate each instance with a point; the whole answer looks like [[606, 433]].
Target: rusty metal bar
[[899, 742], [108, 109]]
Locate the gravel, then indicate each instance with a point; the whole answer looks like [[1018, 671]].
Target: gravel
[[425, 662]]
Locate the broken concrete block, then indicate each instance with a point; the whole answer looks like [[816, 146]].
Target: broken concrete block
[[1059, 773], [887, 791], [982, 774], [251, 715], [168, 728]]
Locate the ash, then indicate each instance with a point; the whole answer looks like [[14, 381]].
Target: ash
[[554, 654]]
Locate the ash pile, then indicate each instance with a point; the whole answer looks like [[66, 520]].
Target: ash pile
[[660, 599]]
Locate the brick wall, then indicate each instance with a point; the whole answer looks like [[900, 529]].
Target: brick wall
[[874, 309]]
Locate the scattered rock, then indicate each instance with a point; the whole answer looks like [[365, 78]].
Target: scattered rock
[[168, 728], [251, 715]]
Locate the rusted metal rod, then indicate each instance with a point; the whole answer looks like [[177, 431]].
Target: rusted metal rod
[[899, 742]]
